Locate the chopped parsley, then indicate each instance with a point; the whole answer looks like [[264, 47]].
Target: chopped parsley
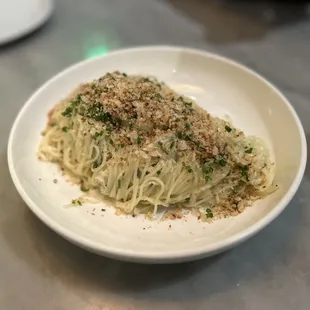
[[244, 172], [124, 74], [122, 145], [249, 151], [209, 213], [221, 161], [96, 112], [172, 145], [187, 104], [179, 135], [189, 169], [207, 171], [187, 199], [65, 129], [158, 172], [98, 134], [237, 187], [119, 183], [228, 129], [157, 96], [76, 202], [187, 126], [139, 140], [67, 112], [77, 101], [184, 136]]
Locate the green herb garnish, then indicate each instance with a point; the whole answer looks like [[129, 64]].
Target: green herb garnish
[[67, 112], [76, 201], [237, 187], [119, 183], [65, 129], [244, 172], [96, 112], [233, 191], [172, 145], [228, 129], [157, 96], [187, 199], [249, 151], [139, 140], [98, 134], [209, 213], [207, 171], [187, 126], [189, 169], [179, 135], [184, 136], [222, 162], [122, 145], [124, 74]]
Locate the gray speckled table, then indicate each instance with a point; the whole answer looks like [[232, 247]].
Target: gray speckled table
[[39, 270]]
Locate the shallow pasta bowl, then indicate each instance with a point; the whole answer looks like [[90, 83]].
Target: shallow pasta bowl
[[224, 88]]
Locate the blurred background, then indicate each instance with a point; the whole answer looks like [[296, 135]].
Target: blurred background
[[271, 37]]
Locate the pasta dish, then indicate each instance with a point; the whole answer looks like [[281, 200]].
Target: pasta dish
[[136, 141]]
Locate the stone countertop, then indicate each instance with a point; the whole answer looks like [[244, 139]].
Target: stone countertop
[[40, 270]]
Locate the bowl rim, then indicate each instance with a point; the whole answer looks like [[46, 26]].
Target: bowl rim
[[177, 255]]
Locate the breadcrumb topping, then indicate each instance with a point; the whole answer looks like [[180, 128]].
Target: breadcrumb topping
[[147, 110]]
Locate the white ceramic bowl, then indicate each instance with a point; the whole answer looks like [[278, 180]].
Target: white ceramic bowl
[[20, 17], [222, 87]]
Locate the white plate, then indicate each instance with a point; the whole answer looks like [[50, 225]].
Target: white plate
[[20, 17], [221, 86]]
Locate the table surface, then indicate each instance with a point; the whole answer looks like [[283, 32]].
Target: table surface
[[40, 270]]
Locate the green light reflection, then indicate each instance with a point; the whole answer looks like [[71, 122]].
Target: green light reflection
[[96, 51]]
